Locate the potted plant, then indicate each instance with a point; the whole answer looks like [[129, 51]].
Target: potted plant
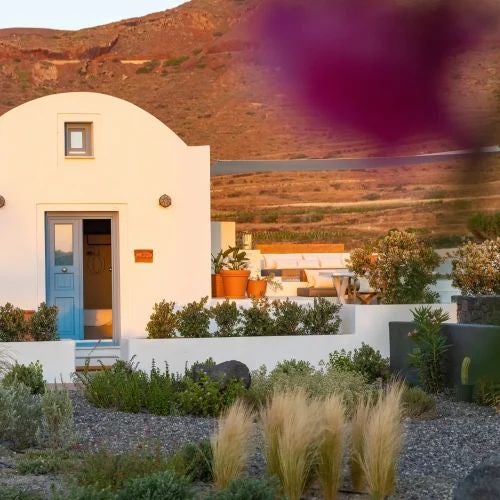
[[217, 266], [235, 273], [465, 390], [257, 285]]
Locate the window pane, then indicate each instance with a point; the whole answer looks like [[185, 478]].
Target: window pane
[[76, 139], [63, 244]]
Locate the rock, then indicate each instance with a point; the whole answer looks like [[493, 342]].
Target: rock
[[483, 482], [226, 371]]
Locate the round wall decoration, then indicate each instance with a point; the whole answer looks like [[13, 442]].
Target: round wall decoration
[[2, 201], [165, 201]]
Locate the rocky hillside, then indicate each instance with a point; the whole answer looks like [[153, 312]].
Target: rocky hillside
[[197, 69]]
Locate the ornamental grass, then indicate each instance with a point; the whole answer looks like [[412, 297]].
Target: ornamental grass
[[331, 446], [231, 444], [382, 440]]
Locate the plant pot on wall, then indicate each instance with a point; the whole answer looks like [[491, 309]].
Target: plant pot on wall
[[235, 283], [217, 286], [256, 289], [465, 392]]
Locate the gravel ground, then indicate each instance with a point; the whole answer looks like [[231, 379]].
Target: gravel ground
[[437, 453]]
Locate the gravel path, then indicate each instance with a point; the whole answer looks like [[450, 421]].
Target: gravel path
[[436, 454]]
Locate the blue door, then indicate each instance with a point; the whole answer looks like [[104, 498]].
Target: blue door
[[64, 274]]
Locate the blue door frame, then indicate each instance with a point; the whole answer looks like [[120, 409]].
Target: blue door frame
[[64, 272]]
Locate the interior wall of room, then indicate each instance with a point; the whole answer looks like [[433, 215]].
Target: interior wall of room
[[97, 282]]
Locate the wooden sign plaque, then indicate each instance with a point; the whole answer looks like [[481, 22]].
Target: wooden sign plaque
[[144, 256]]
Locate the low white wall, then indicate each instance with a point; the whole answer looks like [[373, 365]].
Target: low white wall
[[57, 358], [360, 323]]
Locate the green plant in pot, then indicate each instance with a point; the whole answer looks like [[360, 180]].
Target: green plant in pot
[[235, 273], [465, 389], [257, 285], [217, 267]]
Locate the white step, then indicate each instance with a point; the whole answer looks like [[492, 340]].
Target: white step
[[97, 356]]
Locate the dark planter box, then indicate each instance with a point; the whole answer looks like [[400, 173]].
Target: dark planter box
[[481, 343]]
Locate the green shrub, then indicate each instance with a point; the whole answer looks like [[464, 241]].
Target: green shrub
[[163, 321], [487, 393], [159, 396], [159, 486], [107, 471], [226, 316], [288, 317], [176, 61], [12, 324], [256, 320], [193, 461], [417, 403], [322, 382], [19, 415], [43, 324], [85, 493], [205, 397], [428, 357], [250, 489], [13, 493], [364, 360], [322, 318], [57, 426], [31, 376], [41, 462], [193, 320], [292, 366], [148, 67], [485, 226], [403, 268]]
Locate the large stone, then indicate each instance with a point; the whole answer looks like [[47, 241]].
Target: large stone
[[226, 371], [478, 309], [483, 482]]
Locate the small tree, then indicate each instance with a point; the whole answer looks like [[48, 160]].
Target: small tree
[[194, 319], [476, 268], [163, 321], [43, 324], [399, 265]]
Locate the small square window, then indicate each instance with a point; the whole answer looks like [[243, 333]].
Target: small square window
[[78, 139]]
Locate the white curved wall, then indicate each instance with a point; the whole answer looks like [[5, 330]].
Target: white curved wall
[[137, 159]]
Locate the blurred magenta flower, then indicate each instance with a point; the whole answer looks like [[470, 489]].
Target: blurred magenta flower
[[378, 66]]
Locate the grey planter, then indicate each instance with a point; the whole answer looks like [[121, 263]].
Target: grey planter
[[481, 343]]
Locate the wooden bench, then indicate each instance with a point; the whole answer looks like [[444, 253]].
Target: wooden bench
[[301, 248]]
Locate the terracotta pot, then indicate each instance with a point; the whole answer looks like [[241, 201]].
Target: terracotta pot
[[256, 289], [235, 283], [217, 286]]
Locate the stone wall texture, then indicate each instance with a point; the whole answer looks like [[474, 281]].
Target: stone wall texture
[[478, 309]]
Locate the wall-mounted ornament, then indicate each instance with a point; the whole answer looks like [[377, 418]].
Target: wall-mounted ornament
[[2, 201], [165, 201]]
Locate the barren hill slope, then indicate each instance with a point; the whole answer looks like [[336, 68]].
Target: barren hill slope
[[197, 70]]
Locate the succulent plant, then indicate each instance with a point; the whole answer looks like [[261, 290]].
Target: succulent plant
[[465, 371]]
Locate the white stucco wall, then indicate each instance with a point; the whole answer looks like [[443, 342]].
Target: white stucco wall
[[137, 159]]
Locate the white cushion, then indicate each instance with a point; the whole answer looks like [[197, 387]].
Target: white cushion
[[333, 261], [285, 263], [364, 286], [316, 280], [309, 262], [269, 262]]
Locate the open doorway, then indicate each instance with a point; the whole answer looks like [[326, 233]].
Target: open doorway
[[97, 280]]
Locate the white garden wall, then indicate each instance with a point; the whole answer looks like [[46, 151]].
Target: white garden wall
[[361, 323], [57, 358]]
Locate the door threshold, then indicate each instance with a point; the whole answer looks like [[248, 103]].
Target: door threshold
[[93, 344]]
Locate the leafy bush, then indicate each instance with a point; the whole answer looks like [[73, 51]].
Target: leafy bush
[[148, 67], [399, 265], [41, 462], [193, 320], [364, 360], [226, 316], [12, 493], [292, 366], [125, 388], [31, 376], [107, 471], [205, 397], [429, 355], [250, 489], [193, 461], [417, 403], [288, 317], [176, 61], [322, 318], [256, 320], [476, 268], [43, 324], [12, 324], [323, 382], [159, 486], [57, 418], [19, 415], [163, 321], [485, 226]]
